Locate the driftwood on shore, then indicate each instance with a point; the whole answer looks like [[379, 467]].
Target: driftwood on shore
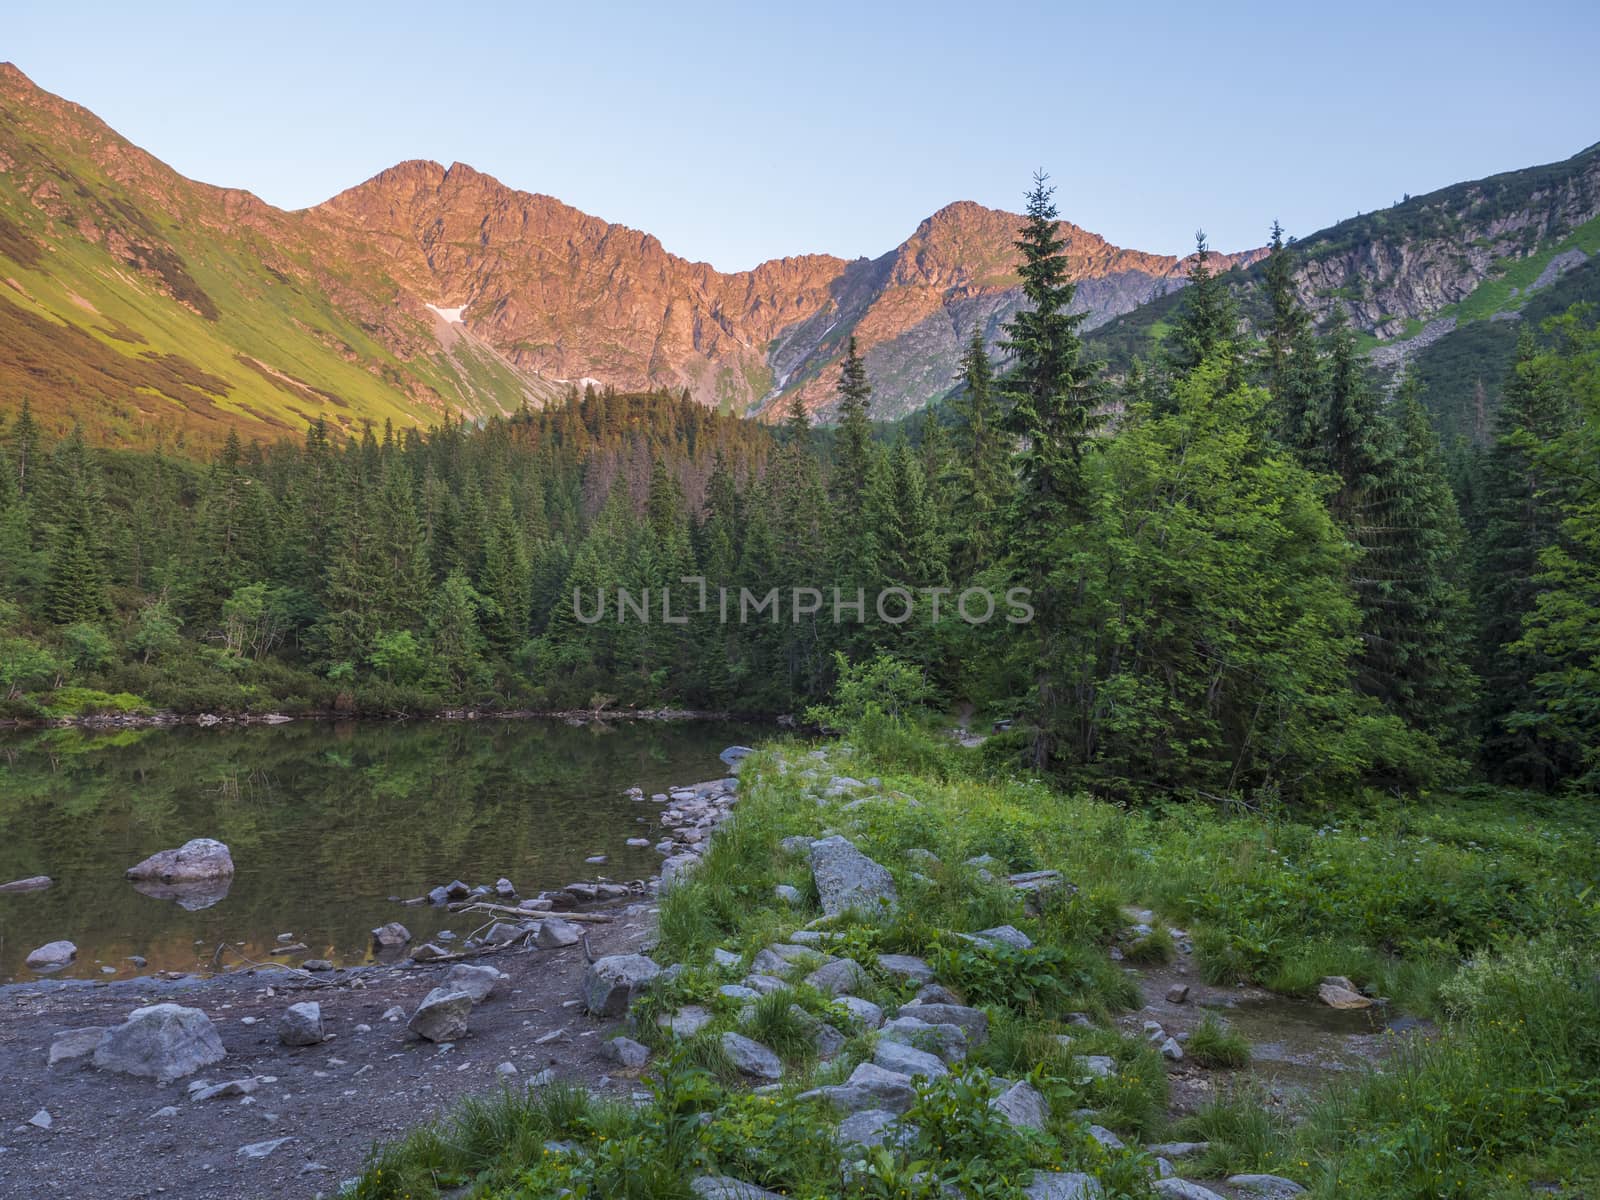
[[528, 913]]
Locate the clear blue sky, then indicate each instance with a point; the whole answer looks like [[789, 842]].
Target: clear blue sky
[[738, 132]]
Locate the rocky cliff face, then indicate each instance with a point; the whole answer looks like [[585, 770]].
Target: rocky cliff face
[[1391, 268], [568, 295]]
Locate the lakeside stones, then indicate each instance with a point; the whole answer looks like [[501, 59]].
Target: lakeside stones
[[442, 1015], [52, 956], [161, 1042], [848, 880], [70, 1045], [197, 860], [554, 933], [479, 982], [611, 983], [301, 1024], [1338, 992]]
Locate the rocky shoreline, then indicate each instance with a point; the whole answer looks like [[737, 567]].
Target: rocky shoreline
[[164, 1073], [168, 718]]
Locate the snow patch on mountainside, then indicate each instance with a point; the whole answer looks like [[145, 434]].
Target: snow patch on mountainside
[[452, 315]]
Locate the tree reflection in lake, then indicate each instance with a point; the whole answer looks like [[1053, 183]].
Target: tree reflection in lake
[[325, 823]]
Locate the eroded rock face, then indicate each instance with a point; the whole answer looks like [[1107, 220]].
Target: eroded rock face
[[611, 983], [197, 859], [161, 1042]]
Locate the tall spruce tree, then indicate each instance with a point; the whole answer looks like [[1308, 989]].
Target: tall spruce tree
[[1054, 413], [985, 462], [1523, 504]]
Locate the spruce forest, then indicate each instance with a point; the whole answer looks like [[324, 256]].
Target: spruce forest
[[1255, 573]]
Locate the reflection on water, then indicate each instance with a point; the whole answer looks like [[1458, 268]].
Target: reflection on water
[[325, 823]]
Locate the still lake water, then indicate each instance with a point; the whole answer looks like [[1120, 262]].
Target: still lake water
[[326, 822]]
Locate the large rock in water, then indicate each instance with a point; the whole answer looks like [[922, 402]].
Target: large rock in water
[[162, 1042], [33, 883], [52, 955], [611, 983], [199, 858], [847, 879]]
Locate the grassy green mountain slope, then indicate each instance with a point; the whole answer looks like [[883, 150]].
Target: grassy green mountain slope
[[150, 306]]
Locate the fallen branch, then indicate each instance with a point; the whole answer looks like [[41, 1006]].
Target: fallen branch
[[530, 914]]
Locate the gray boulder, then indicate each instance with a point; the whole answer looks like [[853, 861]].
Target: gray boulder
[[726, 1187], [906, 966], [1182, 1189], [734, 753], [947, 1041], [789, 895], [52, 956], [1063, 1185], [478, 982], [161, 1042], [677, 868], [1179, 1149], [70, 1045], [1010, 935], [751, 1057], [1269, 1187], [554, 933], [848, 880], [611, 983], [975, 1021], [935, 993], [908, 1060], [301, 1024], [687, 1021], [1022, 1105], [627, 1053], [442, 1015], [1099, 1066], [873, 1127], [199, 858], [1105, 1137], [501, 933], [863, 1013], [869, 1086], [839, 978]]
